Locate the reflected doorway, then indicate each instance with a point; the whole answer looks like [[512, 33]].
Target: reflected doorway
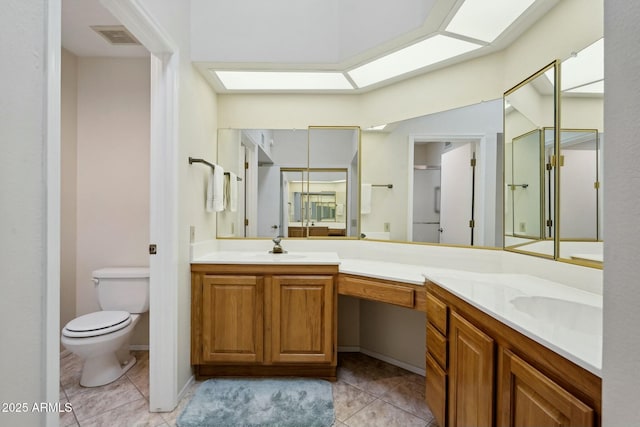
[[443, 192]]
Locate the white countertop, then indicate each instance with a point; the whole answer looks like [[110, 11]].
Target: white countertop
[[564, 319], [413, 274], [263, 257]]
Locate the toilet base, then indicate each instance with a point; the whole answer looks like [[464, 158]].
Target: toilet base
[[104, 369]]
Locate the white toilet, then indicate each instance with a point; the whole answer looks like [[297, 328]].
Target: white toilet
[[102, 338]]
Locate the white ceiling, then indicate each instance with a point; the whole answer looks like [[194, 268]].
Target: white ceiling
[[292, 35], [79, 38]]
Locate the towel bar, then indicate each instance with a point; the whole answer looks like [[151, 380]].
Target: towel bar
[[193, 160]]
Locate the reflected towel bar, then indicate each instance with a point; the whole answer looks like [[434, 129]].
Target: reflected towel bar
[[513, 186], [382, 185], [193, 160]]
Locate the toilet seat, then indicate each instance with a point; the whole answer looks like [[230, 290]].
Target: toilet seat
[[96, 324]]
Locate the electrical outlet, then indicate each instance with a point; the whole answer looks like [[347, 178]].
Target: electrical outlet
[[192, 234], [387, 227]]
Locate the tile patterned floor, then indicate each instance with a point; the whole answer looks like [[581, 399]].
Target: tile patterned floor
[[368, 393]]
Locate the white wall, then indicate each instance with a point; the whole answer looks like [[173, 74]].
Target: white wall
[[112, 173], [23, 208], [68, 185], [621, 357]]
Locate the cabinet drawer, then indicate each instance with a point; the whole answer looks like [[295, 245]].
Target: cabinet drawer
[[436, 390], [437, 313], [375, 291], [437, 346]]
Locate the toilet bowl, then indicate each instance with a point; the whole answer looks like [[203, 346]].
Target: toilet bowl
[[101, 338]]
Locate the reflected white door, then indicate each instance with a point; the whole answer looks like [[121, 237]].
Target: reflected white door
[[456, 183], [426, 205], [268, 201]]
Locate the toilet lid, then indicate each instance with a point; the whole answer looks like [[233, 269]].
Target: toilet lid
[[98, 323]]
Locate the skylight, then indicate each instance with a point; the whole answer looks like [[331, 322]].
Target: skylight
[[586, 67], [282, 80], [597, 87], [584, 71], [427, 52], [486, 19]]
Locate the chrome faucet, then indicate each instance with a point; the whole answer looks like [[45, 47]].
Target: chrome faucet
[[277, 249]]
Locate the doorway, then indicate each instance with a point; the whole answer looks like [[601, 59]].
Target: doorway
[[163, 199], [444, 190]]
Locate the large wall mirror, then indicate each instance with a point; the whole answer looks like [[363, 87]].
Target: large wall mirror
[[553, 174], [530, 117], [582, 143], [428, 179], [295, 183]]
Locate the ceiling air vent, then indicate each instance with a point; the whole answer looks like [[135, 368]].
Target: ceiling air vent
[[116, 34]]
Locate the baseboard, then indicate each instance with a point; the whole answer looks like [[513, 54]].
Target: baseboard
[[394, 362], [138, 347], [349, 349], [184, 390]]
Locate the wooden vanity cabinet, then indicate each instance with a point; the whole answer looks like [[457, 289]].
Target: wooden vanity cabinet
[[301, 319], [494, 375], [259, 320], [437, 358], [530, 399], [471, 355], [231, 325]]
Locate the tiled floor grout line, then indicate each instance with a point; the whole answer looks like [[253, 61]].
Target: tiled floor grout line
[[109, 410], [360, 410]]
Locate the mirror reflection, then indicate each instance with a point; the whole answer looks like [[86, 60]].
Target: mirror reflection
[[434, 178], [529, 164], [413, 172], [581, 186], [295, 183], [317, 206]]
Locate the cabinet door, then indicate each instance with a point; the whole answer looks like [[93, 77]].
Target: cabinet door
[[232, 319], [528, 398], [471, 372], [436, 390], [302, 319]]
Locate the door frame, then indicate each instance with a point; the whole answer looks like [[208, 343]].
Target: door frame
[[478, 139], [163, 323]]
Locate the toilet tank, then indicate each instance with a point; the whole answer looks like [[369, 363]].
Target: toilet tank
[[123, 288]]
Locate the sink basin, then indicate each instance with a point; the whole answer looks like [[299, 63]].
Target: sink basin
[[573, 315]]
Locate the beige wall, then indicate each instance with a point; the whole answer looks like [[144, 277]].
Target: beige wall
[[113, 107], [394, 332], [384, 161], [197, 138], [68, 185]]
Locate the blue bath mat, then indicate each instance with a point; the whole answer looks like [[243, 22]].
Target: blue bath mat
[[287, 402]]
